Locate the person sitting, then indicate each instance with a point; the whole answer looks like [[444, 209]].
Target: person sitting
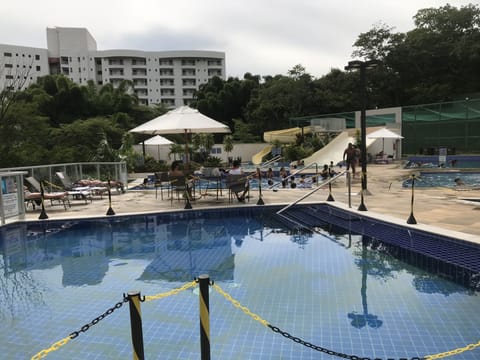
[[176, 171], [325, 173], [237, 170], [283, 176], [331, 169], [269, 173], [459, 182]]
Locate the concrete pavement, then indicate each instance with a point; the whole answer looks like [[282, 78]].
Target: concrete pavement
[[438, 210]]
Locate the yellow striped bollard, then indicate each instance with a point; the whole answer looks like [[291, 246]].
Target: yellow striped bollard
[[204, 284], [136, 325]]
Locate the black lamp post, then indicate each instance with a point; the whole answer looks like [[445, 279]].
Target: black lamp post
[[362, 66]]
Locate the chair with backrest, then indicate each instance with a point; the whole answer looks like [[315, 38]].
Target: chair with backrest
[[237, 184], [178, 185], [77, 193], [33, 197], [162, 182], [83, 191]]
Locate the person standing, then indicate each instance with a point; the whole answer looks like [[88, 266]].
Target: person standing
[[350, 158]]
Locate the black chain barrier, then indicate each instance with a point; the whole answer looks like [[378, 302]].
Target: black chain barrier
[[95, 321], [327, 351]]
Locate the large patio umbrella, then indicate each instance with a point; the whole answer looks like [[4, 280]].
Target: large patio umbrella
[[182, 120], [157, 140], [383, 134]]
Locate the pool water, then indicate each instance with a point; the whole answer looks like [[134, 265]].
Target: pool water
[[445, 179], [330, 288]]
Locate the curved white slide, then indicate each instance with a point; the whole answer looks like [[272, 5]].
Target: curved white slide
[[333, 151]]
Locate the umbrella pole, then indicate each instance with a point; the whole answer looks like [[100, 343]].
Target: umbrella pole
[[186, 150]]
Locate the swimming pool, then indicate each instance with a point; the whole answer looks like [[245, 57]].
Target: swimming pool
[[451, 161], [331, 288], [445, 179]]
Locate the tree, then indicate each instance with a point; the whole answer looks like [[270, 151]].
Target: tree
[[15, 79], [203, 143], [228, 144]]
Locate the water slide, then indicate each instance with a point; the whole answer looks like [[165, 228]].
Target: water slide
[[284, 136], [333, 151], [257, 158]]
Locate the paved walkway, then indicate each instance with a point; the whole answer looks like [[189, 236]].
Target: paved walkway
[[440, 210]]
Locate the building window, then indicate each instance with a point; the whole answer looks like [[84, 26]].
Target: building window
[[37, 57], [8, 65], [188, 62], [8, 76], [38, 68], [8, 54]]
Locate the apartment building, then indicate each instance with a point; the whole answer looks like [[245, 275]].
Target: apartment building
[[158, 77]]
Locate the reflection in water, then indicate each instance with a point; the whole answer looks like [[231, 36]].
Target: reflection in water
[[284, 275], [19, 291], [360, 320], [177, 250]]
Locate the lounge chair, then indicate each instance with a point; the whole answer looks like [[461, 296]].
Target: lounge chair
[[35, 197], [83, 186]]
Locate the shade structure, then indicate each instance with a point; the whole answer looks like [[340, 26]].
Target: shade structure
[[182, 120], [383, 134], [157, 140]]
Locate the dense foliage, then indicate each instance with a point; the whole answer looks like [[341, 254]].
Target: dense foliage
[[56, 120]]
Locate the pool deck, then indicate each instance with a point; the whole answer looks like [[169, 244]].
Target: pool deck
[[439, 210]]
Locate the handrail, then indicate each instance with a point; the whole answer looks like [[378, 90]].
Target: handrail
[[311, 192], [268, 162]]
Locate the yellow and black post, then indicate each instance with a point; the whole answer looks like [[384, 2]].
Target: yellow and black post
[[110, 210], [362, 206], [136, 325], [43, 213], [204, 284], [330, 197], [411, 219], [260, 198]]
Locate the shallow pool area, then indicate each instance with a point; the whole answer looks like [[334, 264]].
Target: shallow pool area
[[471, 179], [332, 287]]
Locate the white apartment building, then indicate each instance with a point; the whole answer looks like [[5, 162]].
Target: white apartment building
[[167, 77]]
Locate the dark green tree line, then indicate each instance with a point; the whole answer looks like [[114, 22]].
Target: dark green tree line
[[56, 120]]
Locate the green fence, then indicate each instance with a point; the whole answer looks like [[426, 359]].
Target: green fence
[[426, 128], [454, 125]]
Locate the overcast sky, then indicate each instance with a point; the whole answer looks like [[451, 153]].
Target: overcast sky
[[264, 37]]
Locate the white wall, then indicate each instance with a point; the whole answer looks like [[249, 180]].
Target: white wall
[[245, 151]]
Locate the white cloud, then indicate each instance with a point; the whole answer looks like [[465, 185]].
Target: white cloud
[[264, 37]]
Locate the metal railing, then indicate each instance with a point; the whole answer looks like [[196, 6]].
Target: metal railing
[[329, 181], [271, 161], [77, 171]]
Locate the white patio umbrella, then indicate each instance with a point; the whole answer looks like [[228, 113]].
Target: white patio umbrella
[[158, 141], [383, 134], [182, 120]]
